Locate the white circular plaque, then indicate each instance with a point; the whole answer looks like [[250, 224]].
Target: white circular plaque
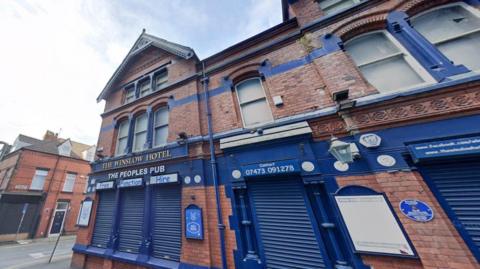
[[342, 167], [236, 174], [386, 160], [187, 180], [197, 179], [308, 166]]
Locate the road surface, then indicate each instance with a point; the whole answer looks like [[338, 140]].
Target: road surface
[[36, 254]]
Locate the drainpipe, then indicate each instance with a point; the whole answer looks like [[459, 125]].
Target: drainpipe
[[213, 163]]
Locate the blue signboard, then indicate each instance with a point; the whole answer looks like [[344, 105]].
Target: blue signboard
[[140, 158], [193, 222], [445, 148], [133, 182], [271, 168], [416, 210]]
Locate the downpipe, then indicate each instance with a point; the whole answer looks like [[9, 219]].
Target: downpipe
[[213, 163]]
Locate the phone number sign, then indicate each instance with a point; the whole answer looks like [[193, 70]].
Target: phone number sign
[[271, 168]]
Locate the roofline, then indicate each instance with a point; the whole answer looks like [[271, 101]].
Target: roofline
[[19, 151], [253, 40]]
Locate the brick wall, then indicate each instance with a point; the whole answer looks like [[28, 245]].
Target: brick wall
[[437, 242]]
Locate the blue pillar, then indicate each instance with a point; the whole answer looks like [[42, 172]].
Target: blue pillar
[[437, 64], [131, 130], [150, 128], [251, 258]]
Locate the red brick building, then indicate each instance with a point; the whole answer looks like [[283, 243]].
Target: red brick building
[[232, 162], [42, 183]]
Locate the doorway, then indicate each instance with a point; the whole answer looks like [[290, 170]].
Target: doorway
[[58, 219]]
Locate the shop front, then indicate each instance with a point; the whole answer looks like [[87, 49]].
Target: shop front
[[139, 209]]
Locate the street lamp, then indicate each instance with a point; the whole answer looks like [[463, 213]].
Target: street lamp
[[342, 151]]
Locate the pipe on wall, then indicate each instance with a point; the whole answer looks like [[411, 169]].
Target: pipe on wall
[[213, 163]]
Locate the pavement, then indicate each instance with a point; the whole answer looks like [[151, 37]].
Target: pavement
[[36, 253]]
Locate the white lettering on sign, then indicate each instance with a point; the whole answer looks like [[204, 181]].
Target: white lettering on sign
[[137, 172], [131, 182], [104, 185], [270, 168], [162, 179]]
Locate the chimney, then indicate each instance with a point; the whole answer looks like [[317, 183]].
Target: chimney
[[50, 136]]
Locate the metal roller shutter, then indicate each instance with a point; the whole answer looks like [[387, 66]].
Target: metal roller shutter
[[286, 232], [103, 219], [167, 222], [458, 185], [130, 233]]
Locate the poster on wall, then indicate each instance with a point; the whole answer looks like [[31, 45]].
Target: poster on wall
[[372, 226], [193, 222], [84, 214]]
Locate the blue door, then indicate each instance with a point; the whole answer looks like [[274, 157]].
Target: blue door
[[286, 228]]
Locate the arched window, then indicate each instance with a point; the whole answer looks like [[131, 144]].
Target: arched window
[[385, 63], [160, 127], [129, 94], [122, 138], [140, 132], [161, 80], [455, 30], [253, 102], [334, 6]]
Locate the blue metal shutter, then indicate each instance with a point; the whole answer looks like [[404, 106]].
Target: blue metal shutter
[[130, 230], [103, 219], [286, 233], [167, 222], [458, 185]]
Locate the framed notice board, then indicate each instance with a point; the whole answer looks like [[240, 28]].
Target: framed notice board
[[371, 223]]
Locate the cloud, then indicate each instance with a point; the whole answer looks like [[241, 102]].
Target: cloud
[[56, 56]]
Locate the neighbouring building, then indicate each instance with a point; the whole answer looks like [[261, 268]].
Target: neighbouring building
[[42, 183], [347, 136]]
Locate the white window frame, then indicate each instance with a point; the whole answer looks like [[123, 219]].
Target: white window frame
[[127, 91], [117, 150], [44, 179], [475, 12], [163, 73], [159, 126], [325, 8], [409, 59], [135, 132], [141, 93], [264, 96], [65, 182]]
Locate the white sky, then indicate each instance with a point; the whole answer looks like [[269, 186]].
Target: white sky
[[57, 55]]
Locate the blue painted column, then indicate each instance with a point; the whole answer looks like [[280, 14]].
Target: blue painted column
[[131, 130], [437, 64], [146, 246], [251, 258], [113, 242], [150, 126]]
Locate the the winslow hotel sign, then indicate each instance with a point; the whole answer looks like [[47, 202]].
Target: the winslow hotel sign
[[142, 158]]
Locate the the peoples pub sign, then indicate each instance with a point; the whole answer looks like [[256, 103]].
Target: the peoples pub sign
[[148, 157]]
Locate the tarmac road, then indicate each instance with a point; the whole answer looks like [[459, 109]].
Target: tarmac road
[[36, 254]]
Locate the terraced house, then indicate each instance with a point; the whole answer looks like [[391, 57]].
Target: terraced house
[[347, 136]]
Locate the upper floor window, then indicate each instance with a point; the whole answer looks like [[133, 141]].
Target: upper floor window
[[455, 30], [144, 88], [161, 80], [69, 182], [140, 132], [253, 102], [160, 127], [129, 94], [122, 138], [39, 179], [385, 63], [334, 6]]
